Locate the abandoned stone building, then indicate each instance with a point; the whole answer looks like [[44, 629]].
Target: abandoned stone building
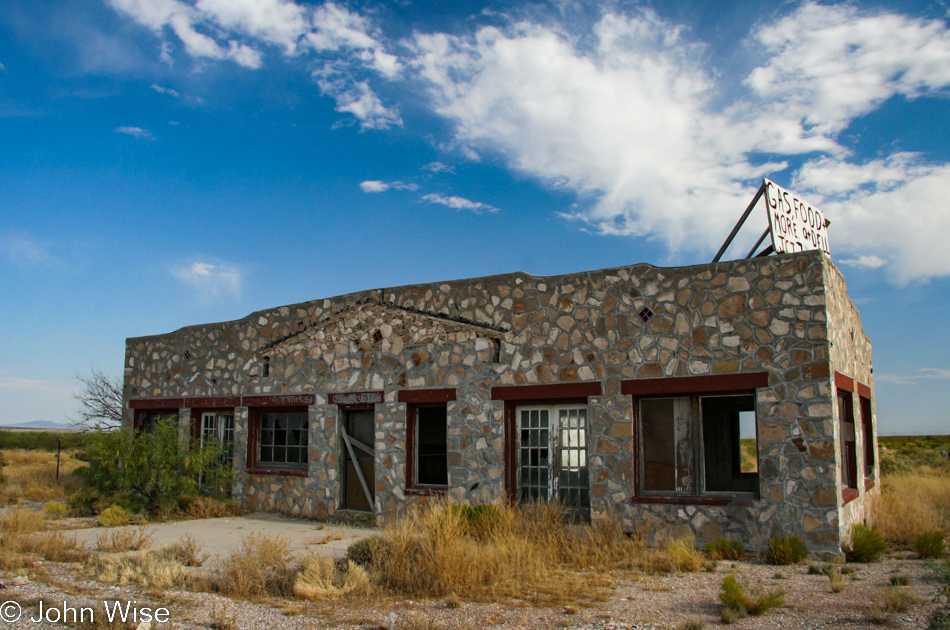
[[729, 399]]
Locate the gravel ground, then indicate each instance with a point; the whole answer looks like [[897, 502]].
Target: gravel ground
[[666, 601]]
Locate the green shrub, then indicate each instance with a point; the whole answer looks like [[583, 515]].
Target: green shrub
[[151, 469], [363, 551], [785, 550], [55, 509], [900, 580], [477, 520], [864, 545], [738, 600], [725, 549], [115, 516], [929, 544]]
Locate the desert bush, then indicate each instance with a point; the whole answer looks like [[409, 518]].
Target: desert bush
[[55, 509], [261, 567], [940, 617], [725, 549], [363, 551], [929, 544], [22, 521], [900, 580], [477, 520], [114, 516], [738, 600], [783, 550], [835, 578], [683, 554], [320, 579], [186, 551], [152, 466], [212, 507], [864, 544], [894, 599], [123, 539]]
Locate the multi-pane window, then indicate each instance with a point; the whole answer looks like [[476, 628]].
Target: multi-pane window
[[553, 455], [692, 445], [283, 439]]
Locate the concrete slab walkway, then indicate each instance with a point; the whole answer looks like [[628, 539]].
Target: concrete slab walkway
[[222, 536]]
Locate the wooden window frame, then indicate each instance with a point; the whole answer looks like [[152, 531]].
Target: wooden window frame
[[699, 386], [849, 465], [416, 399], [253, 466]]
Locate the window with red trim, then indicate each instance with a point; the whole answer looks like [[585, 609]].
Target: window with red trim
[[427, 436], [696, 445], [849, 464], [278, 439], [867, 427], [146, 421]]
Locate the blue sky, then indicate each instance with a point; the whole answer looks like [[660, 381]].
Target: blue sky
[[171, 162]]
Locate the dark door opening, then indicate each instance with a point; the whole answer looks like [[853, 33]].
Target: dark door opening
[[357, 437]]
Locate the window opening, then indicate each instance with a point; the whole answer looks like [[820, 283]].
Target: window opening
[[146, 422], [283, 439], [358, 435], [560, 431], [645, 314], [849, 466], [431, 450], [867, 425], [692, 445]]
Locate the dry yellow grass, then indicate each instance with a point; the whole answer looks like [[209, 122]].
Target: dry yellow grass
[[911, 504], [530, 553], [23, 538], [261, 567], [319, 579], [124, 539], [146, 569], [31, 476]]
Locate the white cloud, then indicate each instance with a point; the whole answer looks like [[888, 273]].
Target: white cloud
[[13, 382], [164, 90], [236, 29], [930, 374], [377, 186], [438, 167], [360, 100], [135, 132], [26, 251], [628, 115], [871, 262], [459, 203], [212, 280], [829, 64], [630, 120]]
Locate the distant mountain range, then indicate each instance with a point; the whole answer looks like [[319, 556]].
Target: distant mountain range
[[36, 424]]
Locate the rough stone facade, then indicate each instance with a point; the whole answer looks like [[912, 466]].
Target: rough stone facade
[[780, 328]]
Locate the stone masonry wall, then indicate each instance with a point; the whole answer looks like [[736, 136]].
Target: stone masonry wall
[[850, 351], [759, 315]]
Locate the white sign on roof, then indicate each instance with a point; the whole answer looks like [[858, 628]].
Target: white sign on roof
[[796, 225]]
